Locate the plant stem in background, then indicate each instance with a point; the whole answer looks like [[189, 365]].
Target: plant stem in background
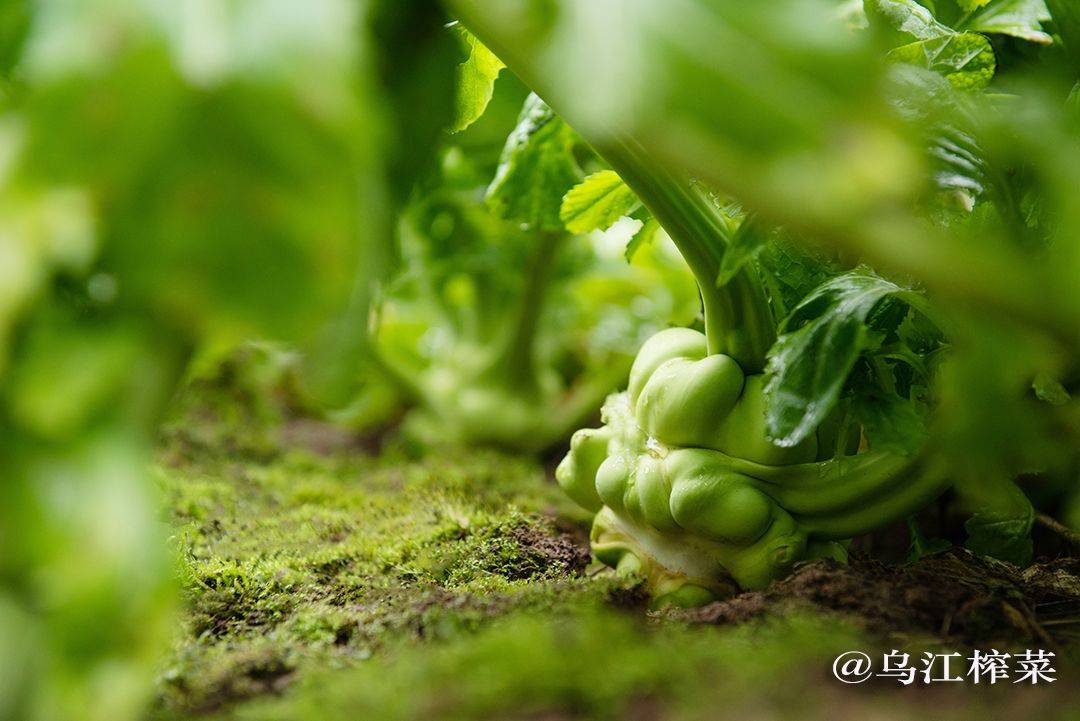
[[515, 361]]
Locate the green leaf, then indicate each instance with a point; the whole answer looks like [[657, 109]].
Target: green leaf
[[792, 271], [1018, 18], [764, 89], [909, 17], [219, 218], [965, 59], [536, 169], [746, 243], [597, 202], [645, 234], [1049, 390], [1005, 535], [475, 82], [921, 546], [891, 423], [825, 335]]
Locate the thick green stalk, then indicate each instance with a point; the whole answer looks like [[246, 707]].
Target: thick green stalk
[[402, 378], [738, 320]]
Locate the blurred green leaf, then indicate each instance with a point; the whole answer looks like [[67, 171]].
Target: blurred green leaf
[[15, 17], [536, 170], [67, 373], [812, 143], [1066, 17], [1050, 390], [49, 232], [597, 202], [158, 191], [475, 82], [1001, 525], [90, 543], [761, 127], [213, 217]]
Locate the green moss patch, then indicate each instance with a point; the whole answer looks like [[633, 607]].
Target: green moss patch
[[294, 560]]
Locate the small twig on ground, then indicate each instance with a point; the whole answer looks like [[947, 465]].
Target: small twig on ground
[[1069, 538]]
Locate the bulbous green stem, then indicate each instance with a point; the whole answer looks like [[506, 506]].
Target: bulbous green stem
[[896, 497], [738, 320], [852, 495]]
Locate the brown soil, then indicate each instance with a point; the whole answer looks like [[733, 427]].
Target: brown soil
[[560, 553], [954, 596]]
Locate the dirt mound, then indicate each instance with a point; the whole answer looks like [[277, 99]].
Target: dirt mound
[[954, 596]]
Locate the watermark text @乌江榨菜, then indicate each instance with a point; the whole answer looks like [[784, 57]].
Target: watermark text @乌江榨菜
[[989, 667]]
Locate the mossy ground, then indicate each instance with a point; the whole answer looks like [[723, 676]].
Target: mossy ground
[[332, 580], [303, 561]]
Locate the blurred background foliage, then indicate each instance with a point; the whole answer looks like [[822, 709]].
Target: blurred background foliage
[[179, 177], [176, 177]]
